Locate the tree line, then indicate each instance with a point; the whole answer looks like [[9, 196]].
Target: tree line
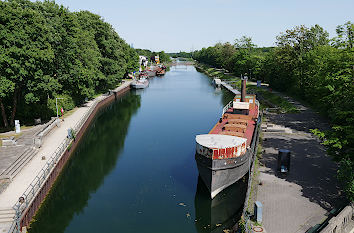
[[163, 57], [181, 54], [309, 65], [48, 52]]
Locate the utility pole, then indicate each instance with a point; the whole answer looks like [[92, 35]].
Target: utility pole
[[56, 104]]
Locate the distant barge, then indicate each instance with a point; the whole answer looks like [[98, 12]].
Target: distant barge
[[224, 155]]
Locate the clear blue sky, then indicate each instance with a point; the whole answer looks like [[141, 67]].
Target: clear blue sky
[[185, 24]]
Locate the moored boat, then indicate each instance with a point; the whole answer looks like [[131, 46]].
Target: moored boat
[[161, 70], [225, 154], [140, 83], [151, 73]]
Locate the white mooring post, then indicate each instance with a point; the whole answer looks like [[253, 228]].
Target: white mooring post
[[17, 126]]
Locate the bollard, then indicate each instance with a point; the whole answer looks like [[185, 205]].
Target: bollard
[[258, 208], [70, 134], [17, 126]]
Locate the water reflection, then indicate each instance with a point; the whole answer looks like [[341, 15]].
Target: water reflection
[[95, 157], [137, 173], [222, 212]]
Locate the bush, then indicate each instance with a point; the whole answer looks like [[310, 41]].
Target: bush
[[67, 103]]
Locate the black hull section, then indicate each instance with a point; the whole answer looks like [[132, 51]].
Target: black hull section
[[219, 174]]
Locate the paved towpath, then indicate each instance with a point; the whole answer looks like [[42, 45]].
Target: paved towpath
[[20, 183], [295, 202]]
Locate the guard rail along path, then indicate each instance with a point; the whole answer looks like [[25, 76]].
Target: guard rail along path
[[35, 193]]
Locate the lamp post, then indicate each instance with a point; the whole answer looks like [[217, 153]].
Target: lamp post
[[56, 104]]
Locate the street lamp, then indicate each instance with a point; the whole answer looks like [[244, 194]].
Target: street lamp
[[56, 104]]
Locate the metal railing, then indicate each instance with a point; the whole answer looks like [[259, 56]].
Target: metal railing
[[227, 107], [30, 193]]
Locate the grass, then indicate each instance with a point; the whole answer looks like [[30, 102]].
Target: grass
[[10, 135], [213, 72], [70, 112], [273, 99], [254, 183], [96, 95]]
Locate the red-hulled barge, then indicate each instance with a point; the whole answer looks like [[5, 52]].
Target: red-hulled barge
[[225, 154]]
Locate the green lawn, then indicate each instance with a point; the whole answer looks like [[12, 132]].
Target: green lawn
[[272, 98]]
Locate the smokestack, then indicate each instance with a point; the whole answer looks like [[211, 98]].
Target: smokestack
[[243, 88]]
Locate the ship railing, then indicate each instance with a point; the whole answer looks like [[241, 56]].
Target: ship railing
[[35, 186], [227, 107]]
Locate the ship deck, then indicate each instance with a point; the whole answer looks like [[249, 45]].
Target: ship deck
[[247, 124]]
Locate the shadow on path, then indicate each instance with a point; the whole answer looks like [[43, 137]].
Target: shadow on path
[[310, 168]]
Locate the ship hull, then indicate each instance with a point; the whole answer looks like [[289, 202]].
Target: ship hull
[[139, 85], [220, 174], [151, 73]]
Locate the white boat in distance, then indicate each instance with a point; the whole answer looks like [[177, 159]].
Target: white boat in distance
[[140, 84]]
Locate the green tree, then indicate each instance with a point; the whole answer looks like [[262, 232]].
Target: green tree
[[345, 36], [49, 51], [244, 43], [27, 53]]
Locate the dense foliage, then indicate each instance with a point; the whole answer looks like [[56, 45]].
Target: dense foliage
[[164, 57], [306, 64], [240, 58], [49, 52], [180, 54]]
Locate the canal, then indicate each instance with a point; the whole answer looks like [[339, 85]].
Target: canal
[[134, 170]]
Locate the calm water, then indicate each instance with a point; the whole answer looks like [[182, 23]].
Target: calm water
[[134, 170]]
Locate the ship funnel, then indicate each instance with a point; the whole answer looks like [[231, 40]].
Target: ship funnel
[[243, 88]]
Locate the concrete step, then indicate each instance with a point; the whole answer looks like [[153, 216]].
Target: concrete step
[[25, 141], [7, 215], [8, 219], [7, 172], [5, 227], [7, 210], [22, 161]]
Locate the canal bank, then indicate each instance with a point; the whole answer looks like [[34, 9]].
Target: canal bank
[[30, 187], [309, 194], [306, 199], [143, 178], [245, 223]]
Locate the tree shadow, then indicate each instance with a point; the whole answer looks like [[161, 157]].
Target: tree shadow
[[303, 121], [310, 168]]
